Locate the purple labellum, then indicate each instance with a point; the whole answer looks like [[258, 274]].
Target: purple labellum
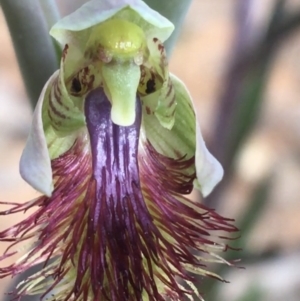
[[118, 218]]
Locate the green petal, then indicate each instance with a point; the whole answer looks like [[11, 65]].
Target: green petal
[[65, 116], [184, 139], [165, 98], [156, 87], [43, 144], [35, 164]]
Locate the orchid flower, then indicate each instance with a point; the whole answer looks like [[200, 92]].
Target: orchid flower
[[114, 148]]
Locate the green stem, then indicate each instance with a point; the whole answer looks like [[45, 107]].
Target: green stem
[[33, 46], [175, 11], [51, 12]]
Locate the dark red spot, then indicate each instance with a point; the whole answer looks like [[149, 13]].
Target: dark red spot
[[65, 52], [170, 89], [76, 85], [150, 86], [161, 48], [55, 111], [172, 102]]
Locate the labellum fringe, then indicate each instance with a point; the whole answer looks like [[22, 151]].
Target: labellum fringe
[[112, 230]]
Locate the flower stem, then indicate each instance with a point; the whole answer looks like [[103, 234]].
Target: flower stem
[[51, 12], [34, 48]]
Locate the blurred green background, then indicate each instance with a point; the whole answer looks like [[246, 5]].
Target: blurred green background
[[241, 61]]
